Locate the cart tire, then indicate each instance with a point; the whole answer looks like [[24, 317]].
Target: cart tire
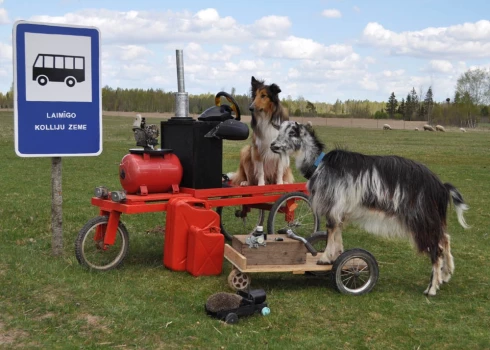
[[238, 280], [90, 250], [319, 241], [355, 272], [305, 222], [231, 318], [232, 221]]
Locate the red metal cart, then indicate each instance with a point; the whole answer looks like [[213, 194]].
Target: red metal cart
[[103, 242]]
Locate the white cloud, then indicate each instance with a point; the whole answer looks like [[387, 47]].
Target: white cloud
[[356, 9], [369, 83], [4, 18], [128, 52], [6, 72], [331, 13], [166, 26], [195, 52], [135, 71], [393, 74], [469, 39], [370, 60], [470, 31], [300, 48], [441, 66], [272, 26], [156, 27], [244, 65], [5, 51]]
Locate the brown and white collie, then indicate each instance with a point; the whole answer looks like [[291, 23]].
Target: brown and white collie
[[258, 164]]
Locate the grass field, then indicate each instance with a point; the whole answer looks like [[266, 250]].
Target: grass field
[[53, 303]]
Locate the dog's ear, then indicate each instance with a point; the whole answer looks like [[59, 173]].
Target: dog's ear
[[275, 89], [255, 86], [255, 83]]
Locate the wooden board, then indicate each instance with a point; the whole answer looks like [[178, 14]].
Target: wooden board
[[240, 262], [285, 252]]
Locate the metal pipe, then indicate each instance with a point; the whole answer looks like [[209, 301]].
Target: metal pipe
[[181, 97], [180, 70]]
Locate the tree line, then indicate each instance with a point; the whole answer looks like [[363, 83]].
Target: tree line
[[466, 108]]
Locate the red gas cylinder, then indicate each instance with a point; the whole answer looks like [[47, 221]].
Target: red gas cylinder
[[152, 171]]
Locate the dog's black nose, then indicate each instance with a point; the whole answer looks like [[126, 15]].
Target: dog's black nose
[[251, 107]]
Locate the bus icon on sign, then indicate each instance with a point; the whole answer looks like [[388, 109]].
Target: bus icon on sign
[[59, 68]]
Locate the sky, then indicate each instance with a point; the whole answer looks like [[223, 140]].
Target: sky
[[322, 50]]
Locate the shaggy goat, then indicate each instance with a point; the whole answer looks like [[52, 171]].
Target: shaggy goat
[[385, 195], [440, 128], [387, 127]]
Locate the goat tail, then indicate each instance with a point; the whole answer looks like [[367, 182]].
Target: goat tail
[[459, 204]]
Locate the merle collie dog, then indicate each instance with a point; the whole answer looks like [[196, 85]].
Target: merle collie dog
[[385, 195]]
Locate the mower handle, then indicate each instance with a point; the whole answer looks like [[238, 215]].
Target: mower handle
[[290, 234]]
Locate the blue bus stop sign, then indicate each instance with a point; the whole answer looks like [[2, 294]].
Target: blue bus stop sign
[[58, 110]]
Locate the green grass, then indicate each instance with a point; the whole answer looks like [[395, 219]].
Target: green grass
[[53, 303]]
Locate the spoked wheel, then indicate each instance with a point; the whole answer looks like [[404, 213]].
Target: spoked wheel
[[355, 272], [239, 220], [238, 280], [293, 210], [91, 251]]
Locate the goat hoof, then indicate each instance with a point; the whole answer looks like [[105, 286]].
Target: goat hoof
[[430, 292], [319, 262]]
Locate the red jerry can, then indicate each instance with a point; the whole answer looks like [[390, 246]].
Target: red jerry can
[[205, 251], [182, 213]]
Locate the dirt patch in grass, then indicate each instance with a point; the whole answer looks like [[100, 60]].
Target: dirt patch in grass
[[94, 322], [10, 336]]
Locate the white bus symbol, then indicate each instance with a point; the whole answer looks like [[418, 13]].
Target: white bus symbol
[[59, 68]]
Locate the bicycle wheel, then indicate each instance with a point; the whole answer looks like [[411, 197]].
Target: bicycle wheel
[[355, 272], [293, 210], [239, 220], [91, 251]]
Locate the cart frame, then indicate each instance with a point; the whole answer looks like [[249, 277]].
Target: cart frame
[[260, 197]]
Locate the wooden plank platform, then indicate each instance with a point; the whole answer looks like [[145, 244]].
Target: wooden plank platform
[[240, 262], [285, 252]]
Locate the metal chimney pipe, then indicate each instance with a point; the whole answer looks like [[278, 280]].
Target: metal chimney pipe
[[180, 70], [181, 97]]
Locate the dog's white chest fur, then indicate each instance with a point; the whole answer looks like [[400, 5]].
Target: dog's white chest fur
[[272, 164]]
